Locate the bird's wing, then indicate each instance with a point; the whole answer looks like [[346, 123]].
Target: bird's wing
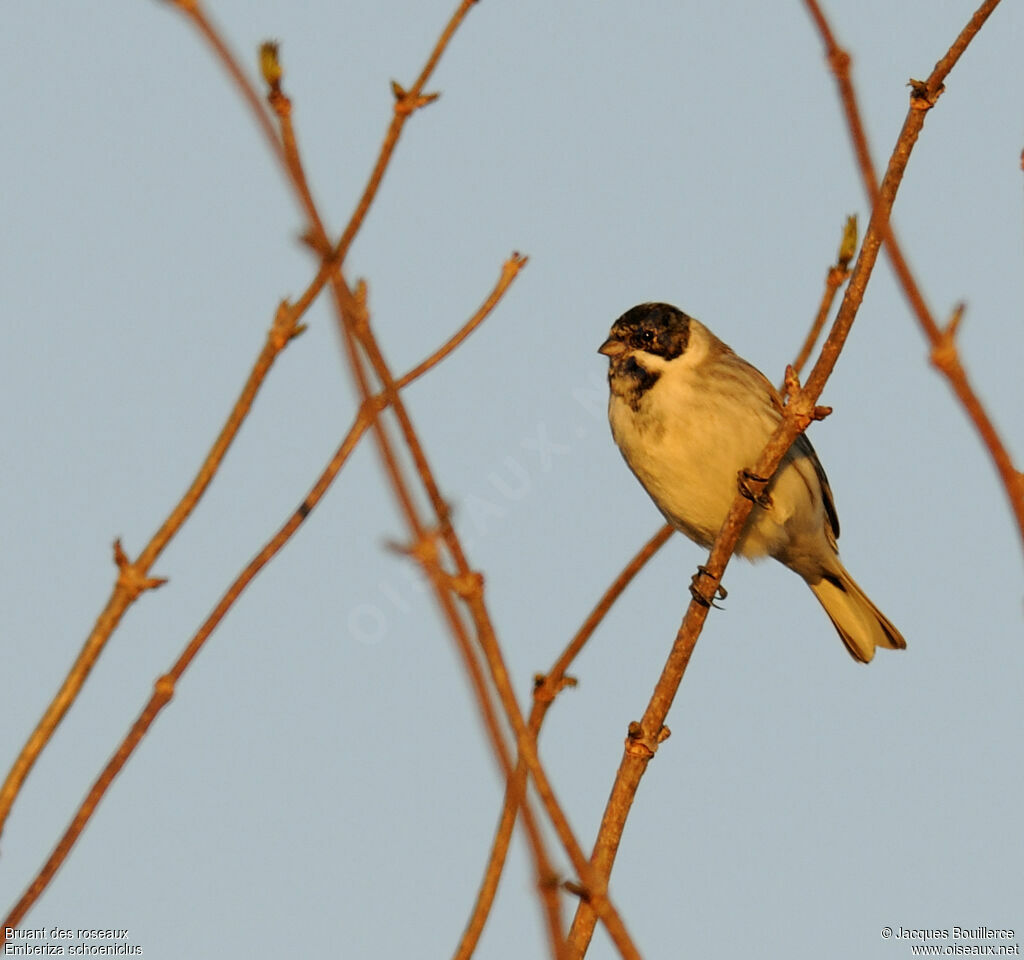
[[803, 445]]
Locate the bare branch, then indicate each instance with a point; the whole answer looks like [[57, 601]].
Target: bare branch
[[284, 328], [406, 102], [835, 277], [546, 688], [923, 97], [644, 738], [165, 685]]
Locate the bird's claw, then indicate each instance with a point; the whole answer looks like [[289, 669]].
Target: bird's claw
[[719, 593], [743, 481]]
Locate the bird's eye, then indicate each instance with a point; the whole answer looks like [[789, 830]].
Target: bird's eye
[[646, 336]]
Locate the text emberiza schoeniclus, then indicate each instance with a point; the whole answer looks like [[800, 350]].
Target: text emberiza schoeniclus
[[689, 416]]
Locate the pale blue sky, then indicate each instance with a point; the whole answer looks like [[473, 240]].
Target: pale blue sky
[[321, 784]]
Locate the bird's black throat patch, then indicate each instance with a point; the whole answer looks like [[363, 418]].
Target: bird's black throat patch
[[630, 380]]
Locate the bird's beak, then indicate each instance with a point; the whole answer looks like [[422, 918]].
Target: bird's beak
[[612, 347]]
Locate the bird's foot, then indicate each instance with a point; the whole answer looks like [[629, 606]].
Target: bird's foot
[[717, 593], [744, 479]]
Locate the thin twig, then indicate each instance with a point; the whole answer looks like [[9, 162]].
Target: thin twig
[[286, 149], [509, 270], [133, 577], [165, 685], [834, 279], [353, 316], [839, 61], [354, 322], [406, 102], [645, 736], [282, 107], [944, 356], [194, 11], [546, 688], [354, 319]]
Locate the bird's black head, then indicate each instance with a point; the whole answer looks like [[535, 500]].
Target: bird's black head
[[656, 328]]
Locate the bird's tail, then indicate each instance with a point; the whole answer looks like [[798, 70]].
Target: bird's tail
[[861, 625]]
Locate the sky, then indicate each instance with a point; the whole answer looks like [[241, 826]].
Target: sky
[[321, 783]]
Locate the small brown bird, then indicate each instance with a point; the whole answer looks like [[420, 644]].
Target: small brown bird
[[688, 415]]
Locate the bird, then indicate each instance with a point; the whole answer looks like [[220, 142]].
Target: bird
[[690, 416]]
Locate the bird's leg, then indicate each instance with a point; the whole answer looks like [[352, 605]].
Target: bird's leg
[[744, 479], [719, 593]]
